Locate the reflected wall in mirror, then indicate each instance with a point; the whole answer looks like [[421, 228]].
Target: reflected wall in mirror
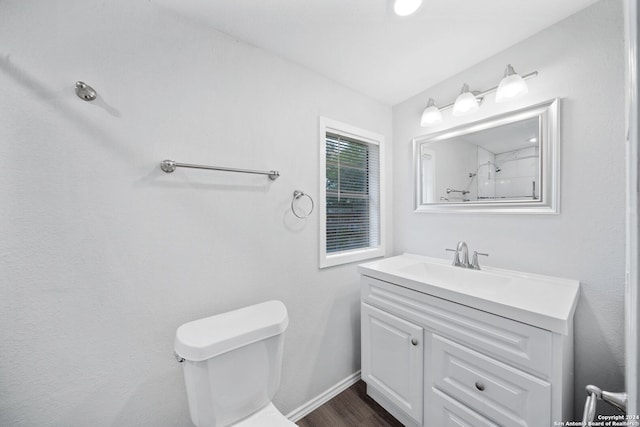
[[504, 164]]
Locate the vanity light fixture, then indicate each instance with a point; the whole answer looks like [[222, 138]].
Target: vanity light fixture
[[511, 86], [466, 102], [406, 7], [431, 114]]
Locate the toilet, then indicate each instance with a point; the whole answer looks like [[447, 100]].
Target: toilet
[[232, 364]]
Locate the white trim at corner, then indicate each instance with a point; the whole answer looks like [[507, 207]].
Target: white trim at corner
[[632, 214], [304, 410]]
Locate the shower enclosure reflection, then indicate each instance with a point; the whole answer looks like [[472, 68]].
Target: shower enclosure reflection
[[506, 163], [502, 163]]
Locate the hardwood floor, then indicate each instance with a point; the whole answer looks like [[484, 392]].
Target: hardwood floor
[[350, 408]]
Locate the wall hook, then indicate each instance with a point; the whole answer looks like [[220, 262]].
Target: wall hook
[[85, 92]]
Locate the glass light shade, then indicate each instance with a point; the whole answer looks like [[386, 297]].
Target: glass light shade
[[406, 7], [511, 86], [466, 103], [431, 115]]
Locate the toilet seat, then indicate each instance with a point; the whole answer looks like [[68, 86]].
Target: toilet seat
[[269, 416]]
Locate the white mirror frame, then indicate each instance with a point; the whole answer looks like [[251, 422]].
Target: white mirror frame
[[548, 112]]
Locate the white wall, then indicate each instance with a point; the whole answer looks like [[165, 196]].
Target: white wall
[[103, 256], [581, 61]]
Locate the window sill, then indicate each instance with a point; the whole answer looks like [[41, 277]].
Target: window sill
[[345, 257]]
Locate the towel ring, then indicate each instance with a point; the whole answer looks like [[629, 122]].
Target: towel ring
[[296, 195]]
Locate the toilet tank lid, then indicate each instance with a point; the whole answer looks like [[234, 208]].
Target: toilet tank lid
[[205, 338]]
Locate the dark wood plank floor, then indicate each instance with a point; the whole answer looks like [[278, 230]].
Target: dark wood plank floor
[[350, 408]]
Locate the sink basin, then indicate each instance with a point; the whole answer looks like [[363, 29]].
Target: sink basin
[[543, 301], [458, 277]]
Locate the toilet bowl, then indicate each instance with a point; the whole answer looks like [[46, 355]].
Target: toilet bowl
[[232, 364]]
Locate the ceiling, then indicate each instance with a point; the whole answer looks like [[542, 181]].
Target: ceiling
[[363, 45]]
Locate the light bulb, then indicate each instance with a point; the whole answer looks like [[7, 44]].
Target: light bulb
[[431, 114], [406, 7], [511, 86], [466, 102]]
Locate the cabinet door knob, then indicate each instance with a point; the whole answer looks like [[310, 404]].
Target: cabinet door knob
[[414, 341], [480, 386]]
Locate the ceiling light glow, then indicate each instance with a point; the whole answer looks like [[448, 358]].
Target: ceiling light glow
[[406, 7]]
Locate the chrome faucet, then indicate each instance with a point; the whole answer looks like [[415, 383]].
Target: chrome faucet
[[462, 246], [463, 249]]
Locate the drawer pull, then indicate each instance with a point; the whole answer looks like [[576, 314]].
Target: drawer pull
[[414, 341], [480, 386]]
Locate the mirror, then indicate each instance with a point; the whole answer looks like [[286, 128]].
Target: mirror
[[504, 164]]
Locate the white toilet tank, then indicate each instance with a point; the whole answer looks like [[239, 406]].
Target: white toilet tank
[[232, 362]]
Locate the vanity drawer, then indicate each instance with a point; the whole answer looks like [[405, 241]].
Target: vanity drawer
[[447, 412], [525, 346], [496, 391]]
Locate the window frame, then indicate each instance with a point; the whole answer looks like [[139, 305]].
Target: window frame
[[347, 256]]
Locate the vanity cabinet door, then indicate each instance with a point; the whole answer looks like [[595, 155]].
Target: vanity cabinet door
[[392, 359]]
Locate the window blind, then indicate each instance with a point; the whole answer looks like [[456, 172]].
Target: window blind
[[352, 194]]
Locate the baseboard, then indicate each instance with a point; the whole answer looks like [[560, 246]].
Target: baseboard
[[316, 402]]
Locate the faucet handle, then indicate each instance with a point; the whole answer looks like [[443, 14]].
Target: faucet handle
[[456, 257], [474, 262]]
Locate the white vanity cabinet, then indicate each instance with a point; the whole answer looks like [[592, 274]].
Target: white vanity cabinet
[[431, 361]]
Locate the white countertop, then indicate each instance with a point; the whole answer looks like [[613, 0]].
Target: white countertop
[[543, 301]]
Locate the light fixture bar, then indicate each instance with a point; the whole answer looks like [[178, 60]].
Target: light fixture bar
[[481, 95]]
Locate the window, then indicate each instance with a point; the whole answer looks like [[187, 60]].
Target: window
[[351, 197]]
